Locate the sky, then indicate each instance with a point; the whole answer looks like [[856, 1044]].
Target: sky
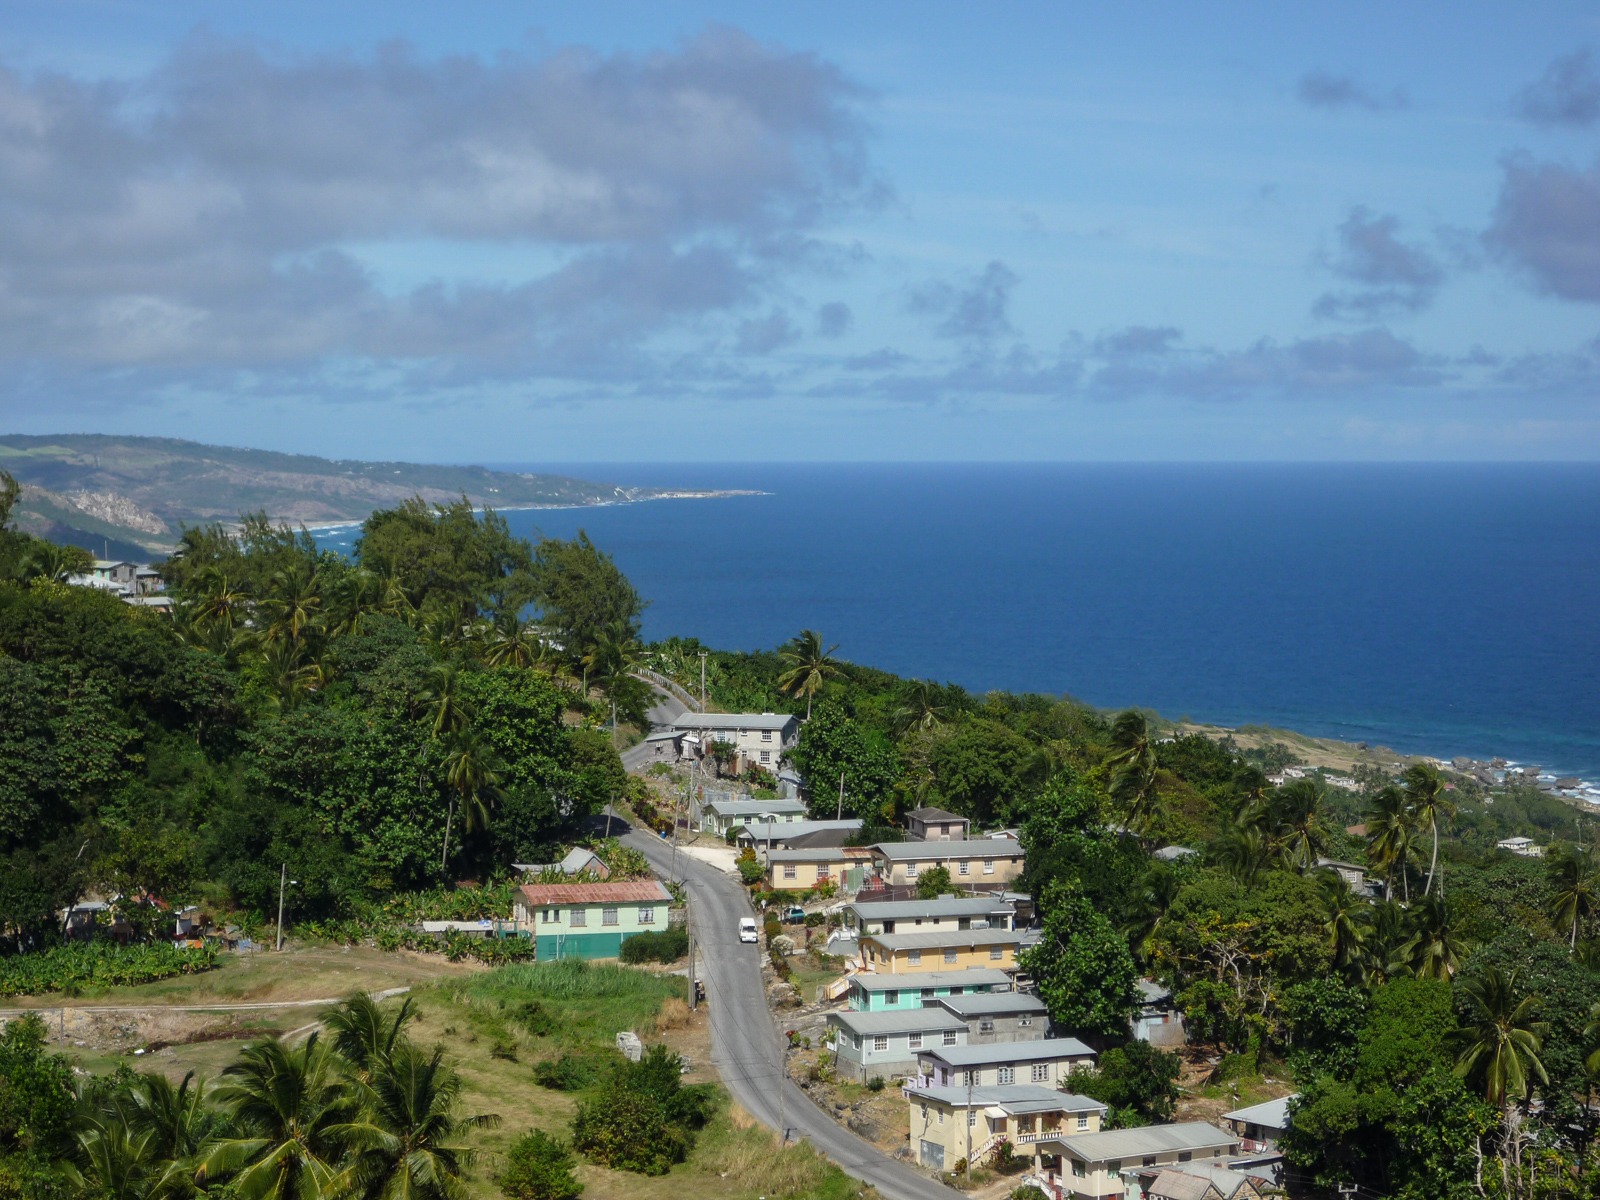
[[619, 232]]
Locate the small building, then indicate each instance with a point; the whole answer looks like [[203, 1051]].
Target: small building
[[1045, 1062], [1158, 1019], [664, 745], [949, 1124], [115, 571], [947, 912], [1172, 854], [761, 738], [779, 835], [1260, 1126], [999, 1016], [147, 581], [577, 861], [1103, 1164], [875, 993], [879, 1044], [940, 950], [1353, 874], [1520, 845], [589, 920], [936, 825], [845, 867], [1198, 1181], [970, 861], [720, 816]]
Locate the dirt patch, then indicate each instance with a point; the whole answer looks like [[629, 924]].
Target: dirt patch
[[214, 1035]]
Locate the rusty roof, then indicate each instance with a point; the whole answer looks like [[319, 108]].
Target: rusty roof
[[640, 891]]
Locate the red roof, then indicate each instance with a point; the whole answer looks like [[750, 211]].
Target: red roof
[[595, 893]]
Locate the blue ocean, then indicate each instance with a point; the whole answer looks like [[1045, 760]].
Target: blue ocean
[[1438, 609]]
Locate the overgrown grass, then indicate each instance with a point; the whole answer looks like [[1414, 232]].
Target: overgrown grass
[[747, 1155], [590, 1002]]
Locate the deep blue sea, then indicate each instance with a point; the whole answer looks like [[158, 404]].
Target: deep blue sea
[[1436, 609]]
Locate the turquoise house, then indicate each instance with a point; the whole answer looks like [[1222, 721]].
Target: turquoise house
[[590, 920], [875, 992]]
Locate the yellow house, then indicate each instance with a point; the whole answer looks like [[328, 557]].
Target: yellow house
[[949, 1124], [946, 950], [972, 862], [803, 869]]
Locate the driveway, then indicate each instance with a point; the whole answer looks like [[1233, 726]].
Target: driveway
[[745, 1042]]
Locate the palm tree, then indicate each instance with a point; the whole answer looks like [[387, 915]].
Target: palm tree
[[221, 604], [290, 1106], [1389, 829], [1434, 950], [1572, 873], [51, 562], [810, 666], [1244, 853], [1500, 1042], [1424, 790], [517, 644], [1346, 917], [177, 1117], [404, 1141], [1133, 780], [1296, 815], [472, 771], [366, 1033], [615, 656], [293, 604], [449, 710], [1153, 896], [356, 595], [1386, 935], [920, 708], [122, 1163]]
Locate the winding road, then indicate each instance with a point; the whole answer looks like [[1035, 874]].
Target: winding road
[[745, 1041]]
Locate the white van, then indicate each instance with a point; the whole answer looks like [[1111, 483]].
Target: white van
[[747, 929]]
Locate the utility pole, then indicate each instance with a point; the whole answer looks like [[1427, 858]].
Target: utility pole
[[283, 879], [783, 1078], [840, 813], [970, 1119], [702, 681], [694, 984]]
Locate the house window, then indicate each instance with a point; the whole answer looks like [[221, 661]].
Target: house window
[[580, 918], [1024, 1022], [1006, 1075], [927, 993], [892, 996], [914, 957], [881, 1042], [823, 872], [914, 1042], [1083, 1122], [985, 1025], [608, 916], [1113, 1166], [1024, 1124], [789, 870], [911, 873], [766, 756], [924, 1114], [949, 1037], [1039, 1072], [550, 915], [647, 915], [950, 954], [955, 991], [972, 1117], [972, 1078], [1077, 1168], [997, 952], [1149, 1161], [856, 1040], [766, 736], [988, 866], [964, 868], [941, 1116], [1184, 1156]]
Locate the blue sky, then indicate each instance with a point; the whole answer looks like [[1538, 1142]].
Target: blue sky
[[623, 232]]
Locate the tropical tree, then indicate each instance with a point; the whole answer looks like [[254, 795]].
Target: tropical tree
[[1133, 777], [1435, 947], [292, 605], [1345, 923], [448, 710], [810, 666], [53, 563], [1573, 872], [1147, 909], [366, 1033], [1244, 853], [119, 1163], [1424, 792], [472, 770], [1298, 833], [615, 656], [1390, 825], [921, 708], [516, 643], [405, 1141], [356, 594], [1500, 1040], [290, 1106]]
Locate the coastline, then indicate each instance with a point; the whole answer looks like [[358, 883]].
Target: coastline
[[664, 494]]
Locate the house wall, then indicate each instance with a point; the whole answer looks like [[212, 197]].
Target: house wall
[[1044, 1073], [1099, 1179], [907, 997], [982, 1030], [937, 831], [982, 866], [945, 1127], [939, 958], [898, 1057], [556, 934]]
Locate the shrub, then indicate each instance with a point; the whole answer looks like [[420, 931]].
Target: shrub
[[751, 871], [98, 964], [643, 1119], [667, 946], [780, 964], [504, 1049], [569, 1073], [1028, 1192], [534, 1018], [875, 1084], [539, 1168]]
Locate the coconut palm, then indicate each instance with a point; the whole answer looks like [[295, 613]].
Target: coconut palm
[[1424, 791], [1500, 1038], [613, 659], [516, 644], [366, 1033], [1153, 896], [1133, 778], [1244, 853], [405, 1142], [289, 1105], [1389, 829], [1298, 834], [1386, 935], [119, 1163], [1572, 872], [1435, 948], [921, 708], [350, 601], [472, 771], [810, 666], [222, 604], [52, 563], [447, 708], [176, 1116], [1346, 918]]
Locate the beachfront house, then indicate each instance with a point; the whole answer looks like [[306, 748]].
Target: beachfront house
[[1046, 1062], [936, 825], [877, 993], [947, 912], [589, 920], [1106, 1164], [950, 1124], [940, 950], [721, 816], [972, 862], [999, 1016], [845, 867], [880, 1044], [760, 738]]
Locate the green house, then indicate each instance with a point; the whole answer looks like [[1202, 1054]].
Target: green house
[[881, 992], [590, 920]]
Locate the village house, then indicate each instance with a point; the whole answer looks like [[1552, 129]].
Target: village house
[[879, 1044], [721, 816], [1104, 1164], [953, 1123], [845, 867], [589, 920], [1158, 1019], [760, 738], [779, 835], [1261, 1125], [971, 861], [947, 912], [876, 993], [1198, 1181], [936, 825], [948, 950], [577, 861], [999, 1016], [1045, 1062]]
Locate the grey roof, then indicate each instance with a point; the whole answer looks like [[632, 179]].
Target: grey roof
[[990, 1002], [1272, 1114], [1173, 853], [664, 735], [934, 939], [1148, 1139], [815, 854], [691, 720], [924, 980], [934, 814], [1194, 1181], [1152, 992], [751, 808], [897, 1020], [576, 860], [906, 910], [969, 848], [1004, 1052], [819, 839], [1014, 1098], [779, 830]]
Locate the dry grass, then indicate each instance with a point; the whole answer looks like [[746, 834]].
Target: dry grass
[[746, 1155], [674, 1014]]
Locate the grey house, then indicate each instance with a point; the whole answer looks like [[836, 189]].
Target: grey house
[[880, 1044], [999, 1016], [936, 825], [952, 912], [1047, 1062]]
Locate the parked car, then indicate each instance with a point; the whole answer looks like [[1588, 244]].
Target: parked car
[[747, 929], [794, 915]]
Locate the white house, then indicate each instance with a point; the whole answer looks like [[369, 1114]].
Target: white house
[[762, 738], [719, 816]]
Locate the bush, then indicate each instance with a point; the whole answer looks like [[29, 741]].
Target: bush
[[539, 1168], [875, 1084], [569, 1073], [98, 964], [644, 1119], [751, 871], [534, 1018], [667, 946], [780, 964], [1028, 1192]]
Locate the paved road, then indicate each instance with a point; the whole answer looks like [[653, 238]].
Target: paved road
[[745, 1042]]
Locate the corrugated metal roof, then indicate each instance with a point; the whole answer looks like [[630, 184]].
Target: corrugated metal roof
[[906, 910], [988, 1003], [1002, 1052], [971, 848], [904, 1020], [639, 891], [1147, 1139], [971, 977], [1271, 1114], [691, 720], [1013, 1098]]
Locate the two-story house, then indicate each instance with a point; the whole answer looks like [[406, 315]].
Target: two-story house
[[952, 1123], [1046, 1062], [999, 1016], [1104, 1164], [936, 825], [973, 862], [871, 1045], [874, 993], [948, 950], [760, 738], [951, 912]]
